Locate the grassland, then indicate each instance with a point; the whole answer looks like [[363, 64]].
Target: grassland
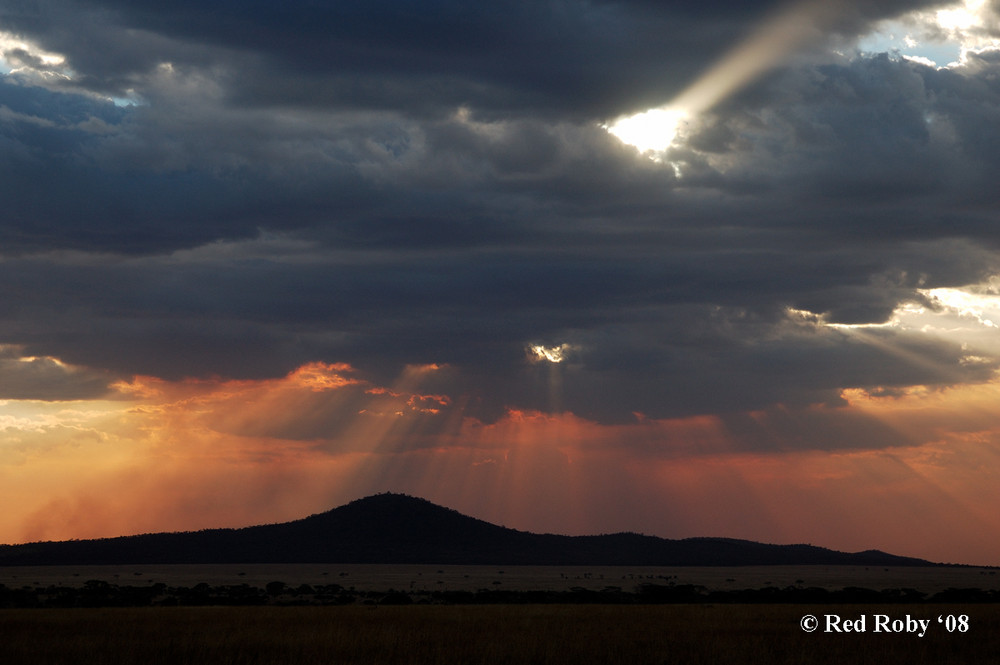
[[273, 632], [138, 586], [368, 577], [452, 635]]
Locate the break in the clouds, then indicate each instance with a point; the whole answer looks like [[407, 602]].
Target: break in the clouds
[[239, 192]]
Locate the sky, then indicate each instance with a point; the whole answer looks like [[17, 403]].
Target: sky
[[576, 266]]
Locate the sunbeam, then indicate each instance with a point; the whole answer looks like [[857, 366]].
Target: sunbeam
[[654, 130]]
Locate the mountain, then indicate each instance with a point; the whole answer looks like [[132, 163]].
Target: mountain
[[396, 528]]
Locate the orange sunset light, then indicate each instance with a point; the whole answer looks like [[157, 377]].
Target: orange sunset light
[[177, 455]]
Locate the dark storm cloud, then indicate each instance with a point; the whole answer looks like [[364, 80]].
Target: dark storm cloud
[[572, 57], [395, 183], [890, 133]]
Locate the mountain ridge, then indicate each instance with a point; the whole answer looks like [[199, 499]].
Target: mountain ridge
[[397, 528]]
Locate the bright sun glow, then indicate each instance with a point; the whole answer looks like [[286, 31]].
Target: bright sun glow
[[960, 18], [969, 316], [983, 308], [13, 44], [654, 130], [553, 354]]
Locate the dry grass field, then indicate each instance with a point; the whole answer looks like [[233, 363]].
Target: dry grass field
[[501, 634], [555, 634]]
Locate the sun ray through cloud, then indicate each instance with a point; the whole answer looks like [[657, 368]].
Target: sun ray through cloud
[[654, 130]]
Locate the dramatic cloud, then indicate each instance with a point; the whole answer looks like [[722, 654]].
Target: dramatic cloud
[[230, 200]]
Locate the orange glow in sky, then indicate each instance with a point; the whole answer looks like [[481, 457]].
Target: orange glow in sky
[[197, 454]]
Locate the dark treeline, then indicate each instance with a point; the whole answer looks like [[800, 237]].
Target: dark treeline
[[96, 593]]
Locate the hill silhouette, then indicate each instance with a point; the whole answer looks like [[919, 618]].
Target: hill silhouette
[[396, 528]]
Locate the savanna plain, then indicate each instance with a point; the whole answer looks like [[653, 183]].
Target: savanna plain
[[547, 633], [543, 634]]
